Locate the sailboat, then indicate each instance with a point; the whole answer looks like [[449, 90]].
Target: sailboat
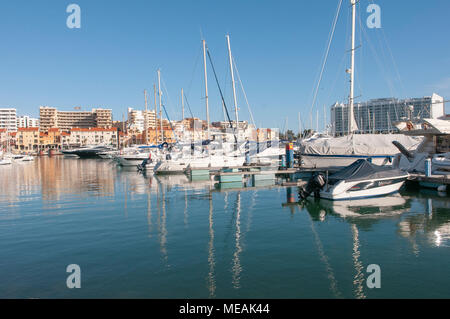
[[324, 152]]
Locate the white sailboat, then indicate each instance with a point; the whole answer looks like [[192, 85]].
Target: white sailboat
[[328, 151]]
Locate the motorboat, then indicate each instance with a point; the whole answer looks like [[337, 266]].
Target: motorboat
[[88, 151], [441, 162], [5, 161], [361, 179], [181, 164]]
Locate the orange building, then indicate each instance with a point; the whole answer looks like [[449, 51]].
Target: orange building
[[27, 139]]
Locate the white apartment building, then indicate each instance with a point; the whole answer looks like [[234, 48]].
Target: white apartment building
[[379, 115], [8, 119], [136, 119], [26, 121], [92, 136]]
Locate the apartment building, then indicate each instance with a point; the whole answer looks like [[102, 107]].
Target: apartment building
[[50, 117], [26, 121], [136, 119], [27, 139], [379, 115], [8, 119], [92, 136]]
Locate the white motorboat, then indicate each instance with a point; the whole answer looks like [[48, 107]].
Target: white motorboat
[[179, 165], [441, 162], [5, 161], [27, 158], [361, 179]]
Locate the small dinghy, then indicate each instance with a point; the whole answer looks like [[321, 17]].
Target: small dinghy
[[361, 179]]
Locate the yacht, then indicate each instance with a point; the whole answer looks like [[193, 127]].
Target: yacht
[[435, 146], [361, 179], [91, 151], [5, 161], [134, 156]]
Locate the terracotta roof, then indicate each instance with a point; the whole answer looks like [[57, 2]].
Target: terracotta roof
[[28, 129], [94, 129]]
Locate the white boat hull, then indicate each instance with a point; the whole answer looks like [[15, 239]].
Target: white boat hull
[[349, 190]]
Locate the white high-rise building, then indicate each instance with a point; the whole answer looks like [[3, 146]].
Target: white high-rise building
[[379, 115], [8, 119], [136, 119], [26, 121]]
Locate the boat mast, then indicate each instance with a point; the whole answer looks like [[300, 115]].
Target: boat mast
[[352, 71], [182, 104], [156, 114], [299, 126], [160, 107], [233, 84], [206, 87], [146, 118]]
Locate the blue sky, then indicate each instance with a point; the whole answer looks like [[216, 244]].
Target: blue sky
[[278, 47]]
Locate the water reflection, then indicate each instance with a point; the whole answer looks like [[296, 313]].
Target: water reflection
[[211, 259], [210, 227], [237, 269], [423, 219]]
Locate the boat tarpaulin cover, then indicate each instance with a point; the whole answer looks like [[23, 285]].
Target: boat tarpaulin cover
[[358, 144], [363, 170]]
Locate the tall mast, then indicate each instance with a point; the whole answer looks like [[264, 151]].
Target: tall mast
[[206, 87], [352, 71], [145, 119], [233, 83], [182, 104], [160, 107], [317, 121], [299, 126], [156, 114]]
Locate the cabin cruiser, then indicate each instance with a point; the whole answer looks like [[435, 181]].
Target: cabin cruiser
[[26, 158], [5, 161], [88, 151], [134, 156], [435, 146], [359, 180], [181, 164]]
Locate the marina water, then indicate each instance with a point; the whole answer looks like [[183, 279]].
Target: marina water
[[145, 236]]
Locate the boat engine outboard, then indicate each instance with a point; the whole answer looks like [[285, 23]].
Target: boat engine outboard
[[314, 185]]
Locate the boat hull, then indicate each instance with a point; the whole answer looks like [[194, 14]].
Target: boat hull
[[363, 189]]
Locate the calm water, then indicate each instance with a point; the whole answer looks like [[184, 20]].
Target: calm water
[[147, 237]]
